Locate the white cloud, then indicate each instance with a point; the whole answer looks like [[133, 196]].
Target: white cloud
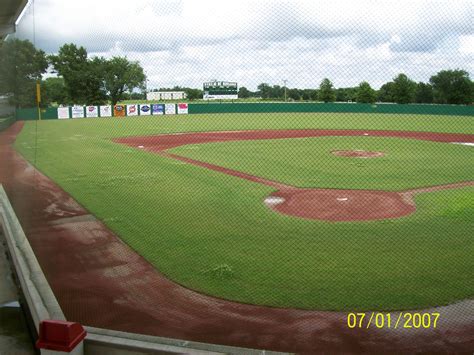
[[466, 44], [185, 42]]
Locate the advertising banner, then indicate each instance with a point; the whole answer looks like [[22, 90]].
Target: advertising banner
[[119, 111], [182, 109], [145, 110], [63, 113], [132, 110], [106, 111], [158, 109], [77, 111], [170, 109], [92, 111]]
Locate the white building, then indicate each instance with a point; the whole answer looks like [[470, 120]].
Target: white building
[[166, 95]]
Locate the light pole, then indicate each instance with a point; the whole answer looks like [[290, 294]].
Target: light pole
[[284, 83]]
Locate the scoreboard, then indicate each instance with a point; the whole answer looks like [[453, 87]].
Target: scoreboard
[[218, 90]]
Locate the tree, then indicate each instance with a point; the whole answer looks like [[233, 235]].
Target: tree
[[386, 92], [264, 90], [365, 94], [309, 94], [403, 89], [54, 90], [244, 93], [326, 91], [82, 77], [120, 76], [295, 94], [193, 94], [452, 87], [346, 94], [21, 65], [424, 93]]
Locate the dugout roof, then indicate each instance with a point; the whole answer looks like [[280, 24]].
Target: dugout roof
[[10, 10]]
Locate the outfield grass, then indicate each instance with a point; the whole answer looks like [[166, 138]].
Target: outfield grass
[[211, 232]]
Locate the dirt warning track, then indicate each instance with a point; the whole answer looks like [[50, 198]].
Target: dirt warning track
[[100, 281], [335, 205]]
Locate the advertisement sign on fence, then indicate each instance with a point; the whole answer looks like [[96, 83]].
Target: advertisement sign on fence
[[145, 110], [182, 109], [158, 109], [170, 109], [106, 111], [132, 110], [119, 111], [92, 111], [77, 111], [63, 113]]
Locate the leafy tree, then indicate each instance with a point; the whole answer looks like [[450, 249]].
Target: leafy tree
[[82, 77], [403, 89], [387, 92], [346, 94], [120, 76], [365, 94], [21, 65], [309, 94], [295, 94], [326, 91], [54, 90], [244, 93], [193, 94], [452, 87], [265, 90], [424, 93]]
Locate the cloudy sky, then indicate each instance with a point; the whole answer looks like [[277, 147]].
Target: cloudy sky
[[187, 42]]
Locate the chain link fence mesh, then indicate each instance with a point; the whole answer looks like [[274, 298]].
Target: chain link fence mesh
[[310, 223]]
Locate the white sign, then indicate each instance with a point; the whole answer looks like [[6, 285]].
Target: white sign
[[63, 113], [219, 97], [182, 109], [145, 110], [132, 110], [106, 111], [170, 109], [77, 111], [92, 111]]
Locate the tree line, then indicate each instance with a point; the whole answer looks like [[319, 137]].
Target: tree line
[[83, 80], [445, 87], [80, 79]]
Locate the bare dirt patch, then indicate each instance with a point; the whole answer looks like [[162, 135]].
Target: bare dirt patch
[[357, 153]]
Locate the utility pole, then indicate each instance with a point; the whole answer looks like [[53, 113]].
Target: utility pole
[[284, 83]]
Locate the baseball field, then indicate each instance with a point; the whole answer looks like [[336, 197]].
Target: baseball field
[[319, 211]]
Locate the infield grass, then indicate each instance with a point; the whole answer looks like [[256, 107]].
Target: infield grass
[[212, 233]]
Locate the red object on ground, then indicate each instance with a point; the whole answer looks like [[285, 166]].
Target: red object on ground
[[60, 335]]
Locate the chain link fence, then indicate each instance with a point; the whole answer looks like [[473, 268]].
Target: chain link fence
[[324, 204]]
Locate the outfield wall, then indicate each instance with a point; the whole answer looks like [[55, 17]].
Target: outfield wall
[[455, 110], [269, 107]]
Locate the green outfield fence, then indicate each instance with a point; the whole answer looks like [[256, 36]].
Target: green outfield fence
[[267, 107]]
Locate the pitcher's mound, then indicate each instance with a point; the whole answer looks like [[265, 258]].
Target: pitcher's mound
[[341, 205], [357, 153]]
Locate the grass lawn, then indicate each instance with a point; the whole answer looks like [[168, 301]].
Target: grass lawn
[[212, 233]]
